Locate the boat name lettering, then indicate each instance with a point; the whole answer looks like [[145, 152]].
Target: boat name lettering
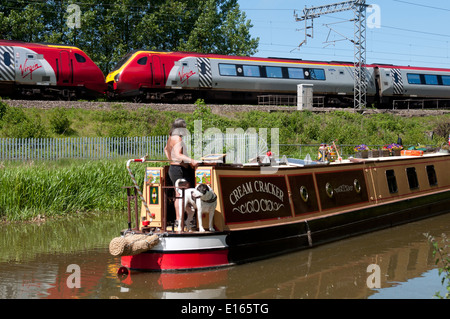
[[343, 188], [256, 186], [258, 205]]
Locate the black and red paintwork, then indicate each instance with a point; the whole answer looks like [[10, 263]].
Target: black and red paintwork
[[260, 215]]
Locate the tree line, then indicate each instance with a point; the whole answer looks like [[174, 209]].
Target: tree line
[[107, 30]]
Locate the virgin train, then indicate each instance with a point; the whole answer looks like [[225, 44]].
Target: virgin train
[[48, 71], [60, 71], [182, 76]]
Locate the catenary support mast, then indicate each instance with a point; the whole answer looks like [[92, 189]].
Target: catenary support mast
[[359, 40]]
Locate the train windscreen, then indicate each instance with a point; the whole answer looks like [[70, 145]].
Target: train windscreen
[[122, 61]]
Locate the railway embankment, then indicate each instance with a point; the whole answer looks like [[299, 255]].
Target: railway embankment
[[221, 109]]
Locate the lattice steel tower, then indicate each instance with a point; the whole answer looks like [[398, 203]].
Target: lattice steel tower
[[359, 39]]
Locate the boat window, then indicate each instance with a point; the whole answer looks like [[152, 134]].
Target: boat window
[[227, 69], [142, 61], [304, 194], [251, 70], [432, 178], [412, 177], [7, 58], [329, 190], [80, 58], [296, 73], [392, 181], [274, 72]]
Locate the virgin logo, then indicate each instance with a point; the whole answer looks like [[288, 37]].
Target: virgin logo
[[28, 69], [184, 76]]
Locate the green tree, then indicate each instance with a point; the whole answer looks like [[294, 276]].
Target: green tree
[[111, 29]]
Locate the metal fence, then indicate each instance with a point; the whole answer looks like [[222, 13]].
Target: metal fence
[[80, 148], [238, 147]]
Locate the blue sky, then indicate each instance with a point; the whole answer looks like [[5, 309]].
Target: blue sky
[[411, 32]]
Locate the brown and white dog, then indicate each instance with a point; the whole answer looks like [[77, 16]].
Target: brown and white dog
[[201, 199]]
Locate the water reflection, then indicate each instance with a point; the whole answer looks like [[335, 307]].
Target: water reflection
[[35, 258]]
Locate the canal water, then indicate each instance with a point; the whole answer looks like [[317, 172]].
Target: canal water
[[45, 261]]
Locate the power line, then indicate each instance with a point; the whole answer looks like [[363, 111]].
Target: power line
[[422, 5]]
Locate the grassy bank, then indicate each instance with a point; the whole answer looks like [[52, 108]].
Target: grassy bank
[[64, 187], [294, 128], [69, 187]]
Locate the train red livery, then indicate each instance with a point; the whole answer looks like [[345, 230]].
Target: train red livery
[[48, 71]]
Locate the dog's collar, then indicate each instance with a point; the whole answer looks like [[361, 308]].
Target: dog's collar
[[212, 200]]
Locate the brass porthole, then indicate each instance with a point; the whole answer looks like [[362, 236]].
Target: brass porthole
[[329, 190], [304, 194], [357, 186]]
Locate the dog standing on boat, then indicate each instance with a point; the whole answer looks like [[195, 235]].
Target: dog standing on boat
[[201, 199]]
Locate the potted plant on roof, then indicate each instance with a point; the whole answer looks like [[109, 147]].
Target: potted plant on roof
[[394, 149], [361, 151]]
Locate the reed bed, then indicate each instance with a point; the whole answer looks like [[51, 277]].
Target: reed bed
[[28, 190]]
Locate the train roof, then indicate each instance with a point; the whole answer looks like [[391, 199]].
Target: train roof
[[36, 45], [281, 59]]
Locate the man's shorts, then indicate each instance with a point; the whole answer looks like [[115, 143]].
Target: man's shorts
[[177, 171]]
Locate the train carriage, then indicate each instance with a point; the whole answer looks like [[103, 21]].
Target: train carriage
[[176, 76], [47, 70]]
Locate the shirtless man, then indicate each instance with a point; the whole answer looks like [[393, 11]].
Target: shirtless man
[[181, 165]]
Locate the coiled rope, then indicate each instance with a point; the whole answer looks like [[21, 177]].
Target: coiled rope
[[132, 244]]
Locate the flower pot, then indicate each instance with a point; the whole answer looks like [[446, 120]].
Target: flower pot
[[384, 153], [362, 154], [395, 153]]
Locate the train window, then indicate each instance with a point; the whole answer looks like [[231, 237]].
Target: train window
[[251, 70], [227, 69], [317, 74], [446, 80], [80, 58], [392, 181], [431, 79], [274, 72], [432, 178], [122, 62], [412, 177], [296, 73], [142, 61], [7, 58], [414, 79]]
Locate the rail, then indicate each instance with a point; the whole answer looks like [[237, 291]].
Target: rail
[[421, 104]]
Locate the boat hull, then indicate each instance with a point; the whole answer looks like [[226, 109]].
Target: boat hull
[[210, 250]]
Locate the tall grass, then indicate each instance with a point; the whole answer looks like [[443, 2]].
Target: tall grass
[[63, 187]]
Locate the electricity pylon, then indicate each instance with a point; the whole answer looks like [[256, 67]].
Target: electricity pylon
[[359, 40]]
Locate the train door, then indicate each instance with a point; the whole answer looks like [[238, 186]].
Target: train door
[[397, 82], [204, 71], [7, 63], [65, 69], [157, 71]]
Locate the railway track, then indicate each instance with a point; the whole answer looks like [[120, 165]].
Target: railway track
[[222, 109]]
